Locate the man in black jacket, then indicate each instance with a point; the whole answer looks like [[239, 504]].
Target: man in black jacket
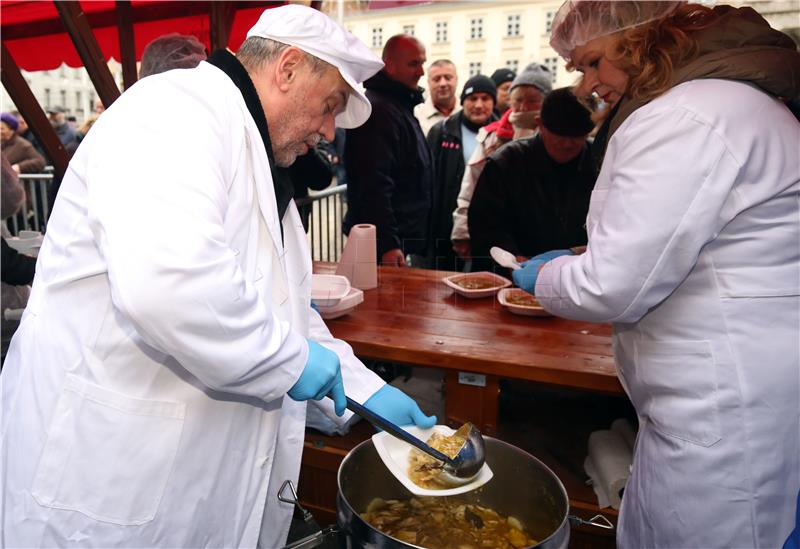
[[388, 164], [533, 194], [452, 142]]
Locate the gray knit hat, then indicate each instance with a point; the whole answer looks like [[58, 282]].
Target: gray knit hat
[[535, 75]]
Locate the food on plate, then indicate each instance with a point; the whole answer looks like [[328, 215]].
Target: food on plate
[[523, 299], [446, 523], [477, 283], [424, 470]]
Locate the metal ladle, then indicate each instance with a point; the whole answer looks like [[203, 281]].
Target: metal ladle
[[456, 471]]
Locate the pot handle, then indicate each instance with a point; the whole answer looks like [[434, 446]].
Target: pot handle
[[314, 540], [598, 521], [307, 516]]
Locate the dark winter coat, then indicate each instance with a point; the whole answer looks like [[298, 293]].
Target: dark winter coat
[[445, 142], [389, 169], [528, 204]]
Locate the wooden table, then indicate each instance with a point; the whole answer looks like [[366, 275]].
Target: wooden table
[[412, 317]]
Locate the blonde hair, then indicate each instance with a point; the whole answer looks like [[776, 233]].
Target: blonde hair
[[649, 53]]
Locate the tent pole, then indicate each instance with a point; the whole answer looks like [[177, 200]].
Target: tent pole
[[220, 17], [23, 98], [127, 44], [79, 30]]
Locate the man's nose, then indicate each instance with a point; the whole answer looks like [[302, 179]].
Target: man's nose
[[328, 129]]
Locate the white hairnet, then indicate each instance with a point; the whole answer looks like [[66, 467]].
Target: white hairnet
[[171, 51], [580, 21]]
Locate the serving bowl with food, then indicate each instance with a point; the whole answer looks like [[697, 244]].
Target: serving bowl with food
[[479, 284], [520, 302], [420, 473]]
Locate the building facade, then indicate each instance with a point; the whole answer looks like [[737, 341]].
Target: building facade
[[64, 87], [480, 36]]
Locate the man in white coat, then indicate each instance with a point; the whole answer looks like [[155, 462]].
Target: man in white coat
[[144, 397]]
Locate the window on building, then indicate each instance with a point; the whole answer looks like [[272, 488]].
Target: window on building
[[474, 68], [441, 32], [513, 24], [552, 64], [408, 29], [549, 21], [377, 37], [513, 64], [63, 94], [47, 103], [78, 100], [476, 28]]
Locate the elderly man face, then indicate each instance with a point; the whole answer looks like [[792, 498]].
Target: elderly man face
[[526, 98], [312, 99], [405, 61], [442, 83], [478, 107], [57, 119]]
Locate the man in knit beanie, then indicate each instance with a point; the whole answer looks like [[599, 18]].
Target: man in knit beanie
[[526, 91], [502, 79], [452, 142]]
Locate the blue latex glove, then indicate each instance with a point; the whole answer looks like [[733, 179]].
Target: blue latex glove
[[398, 407], [321, 375], [525, 277]]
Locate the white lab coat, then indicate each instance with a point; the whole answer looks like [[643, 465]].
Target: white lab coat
[[694, 256], [143, 394]]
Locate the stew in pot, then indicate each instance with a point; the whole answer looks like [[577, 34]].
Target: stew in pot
[[446, 523]]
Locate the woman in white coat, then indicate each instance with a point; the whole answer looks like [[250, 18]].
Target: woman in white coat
[[693, 256], [154, 394]]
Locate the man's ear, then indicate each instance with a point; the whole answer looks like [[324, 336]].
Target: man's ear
[[288, 67], [538, 121]]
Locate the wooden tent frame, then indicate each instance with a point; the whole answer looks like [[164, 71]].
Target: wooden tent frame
[[221, 14]]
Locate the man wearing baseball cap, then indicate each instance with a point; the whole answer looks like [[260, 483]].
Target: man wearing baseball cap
[[58, 119], [155, 392]]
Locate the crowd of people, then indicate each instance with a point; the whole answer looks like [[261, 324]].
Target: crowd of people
[[414, 168], [163, 363]]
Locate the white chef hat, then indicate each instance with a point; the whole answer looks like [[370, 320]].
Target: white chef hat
[[317, 34], [580, 21]]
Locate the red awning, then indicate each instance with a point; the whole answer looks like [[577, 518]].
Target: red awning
[[34, 34]]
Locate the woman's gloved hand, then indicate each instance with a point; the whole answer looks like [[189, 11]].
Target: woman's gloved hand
[[321, 375], [525, 277], [399, 408]]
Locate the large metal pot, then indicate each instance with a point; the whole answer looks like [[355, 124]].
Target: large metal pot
[[522, 487]]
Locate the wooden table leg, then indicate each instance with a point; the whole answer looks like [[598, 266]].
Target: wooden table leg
[[472, 397]]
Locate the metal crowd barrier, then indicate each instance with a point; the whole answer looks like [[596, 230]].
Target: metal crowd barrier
[[35, 210], [326, 211]]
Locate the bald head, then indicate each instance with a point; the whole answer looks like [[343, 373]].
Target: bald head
[[404, 57]]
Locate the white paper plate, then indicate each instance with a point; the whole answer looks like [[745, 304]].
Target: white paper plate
[[327, 290], [347, 304], [394, 453], [499, 281], [525, 310]]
